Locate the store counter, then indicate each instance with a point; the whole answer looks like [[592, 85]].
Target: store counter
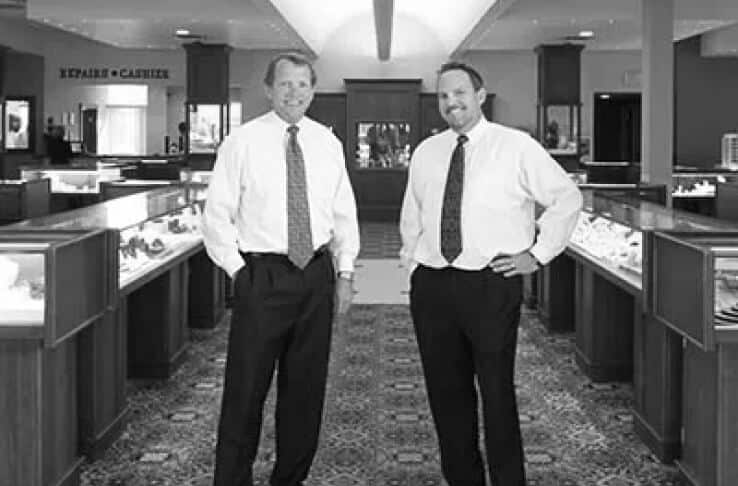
[[52, 291], [617, 337], [144, 334]]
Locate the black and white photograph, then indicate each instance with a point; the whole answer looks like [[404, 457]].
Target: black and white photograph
[[368, 243]]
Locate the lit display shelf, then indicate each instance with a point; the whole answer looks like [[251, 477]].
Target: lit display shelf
[[35, 271], [74, 181]]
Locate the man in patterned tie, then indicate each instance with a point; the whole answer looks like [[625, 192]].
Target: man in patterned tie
[[468, 235], [280, 219]]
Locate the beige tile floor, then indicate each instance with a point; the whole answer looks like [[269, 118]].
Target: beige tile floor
[[380, 281]]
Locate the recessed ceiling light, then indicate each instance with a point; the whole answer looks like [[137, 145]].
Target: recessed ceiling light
[[182, 32], [605, 96], [586, 33]]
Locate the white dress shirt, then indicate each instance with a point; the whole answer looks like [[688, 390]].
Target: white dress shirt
[[246, 206], [506, 173]]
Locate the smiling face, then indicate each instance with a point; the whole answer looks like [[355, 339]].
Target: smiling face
[[459, 104], [292, 90]]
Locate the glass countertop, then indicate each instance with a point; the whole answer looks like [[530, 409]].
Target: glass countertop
[[648, 216], [119, 213]]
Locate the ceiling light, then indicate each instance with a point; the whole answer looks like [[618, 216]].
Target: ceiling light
[[586, 33], [605, 96], [182, 32]]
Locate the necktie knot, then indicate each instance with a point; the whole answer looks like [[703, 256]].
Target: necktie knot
[[292, 130], [462, 139]]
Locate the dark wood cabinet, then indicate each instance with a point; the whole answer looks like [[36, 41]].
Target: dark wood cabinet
[[330, 110], [559, 102], [559, 68], [379, 191], [207, 72], [24, 199]]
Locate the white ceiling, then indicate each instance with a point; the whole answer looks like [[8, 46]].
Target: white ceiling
[[269, 24]]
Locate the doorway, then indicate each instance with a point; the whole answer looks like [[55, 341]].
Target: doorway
[[617, 127]]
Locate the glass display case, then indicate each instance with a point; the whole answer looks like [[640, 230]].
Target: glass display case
[[610, 231], [195, 176], [147, 245], [154, 227], [74, 181], [698, 184], [208, 125], [559, 131], [698, 298], [383, 144], [51, 280], [617, 245]]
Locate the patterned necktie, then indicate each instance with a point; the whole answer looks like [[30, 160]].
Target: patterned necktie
[[451, 212], [299, 236]]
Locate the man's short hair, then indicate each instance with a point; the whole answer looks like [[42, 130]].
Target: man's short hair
[[476, 78], [296, 58]]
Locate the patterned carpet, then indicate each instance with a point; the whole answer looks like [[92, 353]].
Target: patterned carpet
[[377, 429]]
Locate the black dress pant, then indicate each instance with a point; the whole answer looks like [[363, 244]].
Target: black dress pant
[[466, 323], [281, 315]]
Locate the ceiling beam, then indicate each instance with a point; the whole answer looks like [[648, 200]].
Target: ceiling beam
[[496, 11], [383, 13]]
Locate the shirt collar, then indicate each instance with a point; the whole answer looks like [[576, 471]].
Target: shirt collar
[[283, 124], [476, 131], [474, 134]]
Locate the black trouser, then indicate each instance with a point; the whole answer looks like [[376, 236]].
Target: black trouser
[[281, 314], [466, 323]]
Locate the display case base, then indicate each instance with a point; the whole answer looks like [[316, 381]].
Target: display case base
[[72, 476], [158, 371], [657, 387], [157, 320], [665, 450], [530, 291], [556, 294], [603, 372], [604, 320], [207, 292], [710, 416], [95, 448]]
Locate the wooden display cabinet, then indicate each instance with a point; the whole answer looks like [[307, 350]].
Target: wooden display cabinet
[[53, 286], [21, 199], [695, 298]]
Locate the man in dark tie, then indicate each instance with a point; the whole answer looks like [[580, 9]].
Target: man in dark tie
[[280, 219], [468, 235]]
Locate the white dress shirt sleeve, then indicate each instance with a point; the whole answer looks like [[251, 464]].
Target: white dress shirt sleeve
[[410, 218], [345, 241], [220, 234], [552, 188]]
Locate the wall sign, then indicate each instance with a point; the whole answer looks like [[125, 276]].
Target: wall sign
[[113, 73]]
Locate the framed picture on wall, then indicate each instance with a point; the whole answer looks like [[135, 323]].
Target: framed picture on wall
[[18, 128]]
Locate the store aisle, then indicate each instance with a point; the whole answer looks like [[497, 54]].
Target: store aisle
[[377, 428]]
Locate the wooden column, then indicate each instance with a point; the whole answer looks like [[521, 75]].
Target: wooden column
[[657, 137]]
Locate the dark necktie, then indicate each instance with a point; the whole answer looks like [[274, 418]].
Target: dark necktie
[[299, 236], [451, 212]]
